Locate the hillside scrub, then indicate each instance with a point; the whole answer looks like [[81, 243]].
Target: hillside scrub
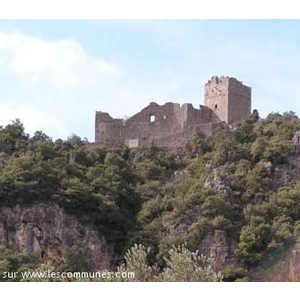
[[164, 199]]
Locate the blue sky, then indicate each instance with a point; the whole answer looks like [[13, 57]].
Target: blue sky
[[55, 74]]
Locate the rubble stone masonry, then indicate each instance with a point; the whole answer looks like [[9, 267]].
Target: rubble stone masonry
[[170, 125]]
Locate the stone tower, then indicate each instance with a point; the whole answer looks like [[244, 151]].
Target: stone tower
[[228, 98], [171, 125]]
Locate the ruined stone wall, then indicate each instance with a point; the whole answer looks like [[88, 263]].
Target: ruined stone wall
[[161, 125], [152, 123], [108, 131], [226, 101]]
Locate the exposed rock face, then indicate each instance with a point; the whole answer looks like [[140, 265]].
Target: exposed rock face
[[296, 140], [285, 173], [182, 224], [218, 247], [47, 230], [219, 182], [287, 267]]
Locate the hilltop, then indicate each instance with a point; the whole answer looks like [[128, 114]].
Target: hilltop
[[233, 196]]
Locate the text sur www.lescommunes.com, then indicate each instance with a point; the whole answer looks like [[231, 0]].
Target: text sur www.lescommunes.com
[[67, 275]]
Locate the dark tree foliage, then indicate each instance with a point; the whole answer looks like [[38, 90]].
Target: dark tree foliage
[[159, 197]]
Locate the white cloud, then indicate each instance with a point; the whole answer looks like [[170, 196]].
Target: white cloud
[[54, 84], [32, 118], [64, 63]]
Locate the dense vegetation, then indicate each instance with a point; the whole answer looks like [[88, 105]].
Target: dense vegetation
[[160, 198]]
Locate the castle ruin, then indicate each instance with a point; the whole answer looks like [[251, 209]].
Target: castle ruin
[[226, 101]]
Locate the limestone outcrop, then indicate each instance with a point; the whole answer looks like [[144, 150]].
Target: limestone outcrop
[[47, 230], [218, 247], [285, 268], [220, 183]]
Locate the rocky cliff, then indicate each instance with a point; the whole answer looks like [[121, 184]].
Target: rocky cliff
[[281, 268], [47, 230], [218, 247]]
